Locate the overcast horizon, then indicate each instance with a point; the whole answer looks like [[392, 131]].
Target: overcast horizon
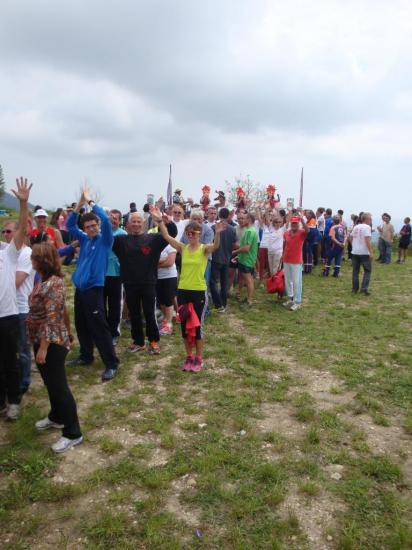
[[115, 92]]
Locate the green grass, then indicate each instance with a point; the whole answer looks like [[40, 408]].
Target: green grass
[[196, 461]]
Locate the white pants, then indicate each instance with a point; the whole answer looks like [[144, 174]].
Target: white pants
[[293, 281], [274, 261]]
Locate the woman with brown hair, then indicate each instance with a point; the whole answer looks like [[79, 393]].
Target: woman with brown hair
[[49, 330]]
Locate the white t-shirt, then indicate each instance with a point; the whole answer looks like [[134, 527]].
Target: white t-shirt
[[167, 272], [24, 290], [266, 231], [8, 263], [181, 225], [321, 222], [275, 243], [359, 233]]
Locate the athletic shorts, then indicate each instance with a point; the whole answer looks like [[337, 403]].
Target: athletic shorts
[[404, 245], [246, 269], [199, 300], [166, 291]]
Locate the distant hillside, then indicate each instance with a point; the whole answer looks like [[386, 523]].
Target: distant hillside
[[9, 201]]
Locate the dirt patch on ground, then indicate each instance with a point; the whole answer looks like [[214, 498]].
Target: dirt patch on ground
[[317, 517], [174, 503], [383, 439], [279, 417], [79, 462]]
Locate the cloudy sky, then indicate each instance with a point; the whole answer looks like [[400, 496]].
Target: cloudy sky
[[115, 91]]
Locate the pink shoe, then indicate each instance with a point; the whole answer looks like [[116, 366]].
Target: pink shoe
[[197, 364], [187, 365], [165, 329]]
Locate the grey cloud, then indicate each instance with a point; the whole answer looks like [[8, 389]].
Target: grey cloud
[[178, 56]]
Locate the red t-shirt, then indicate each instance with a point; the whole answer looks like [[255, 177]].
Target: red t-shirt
[[292, 253], [50, 232]]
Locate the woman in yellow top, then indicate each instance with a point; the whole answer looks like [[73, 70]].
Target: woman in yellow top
[[192, 286]]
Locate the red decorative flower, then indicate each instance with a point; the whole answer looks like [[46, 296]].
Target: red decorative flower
[[146, 250]]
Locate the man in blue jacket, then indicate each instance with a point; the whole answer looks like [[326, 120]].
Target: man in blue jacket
[[89, 315]]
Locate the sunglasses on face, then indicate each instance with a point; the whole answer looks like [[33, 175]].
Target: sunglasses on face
[[192, 233], [178, 213], [8, 231]]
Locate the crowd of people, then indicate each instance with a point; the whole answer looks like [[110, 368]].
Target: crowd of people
[[179, 260]]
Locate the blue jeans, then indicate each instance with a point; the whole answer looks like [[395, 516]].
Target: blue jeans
[[293, 281], [386, 252], [334, 254], [24, 353], [220, 274]]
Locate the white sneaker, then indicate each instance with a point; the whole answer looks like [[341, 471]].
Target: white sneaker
[[46, 423], [288, 303], [13, 411], [295, 307], [64, 444]]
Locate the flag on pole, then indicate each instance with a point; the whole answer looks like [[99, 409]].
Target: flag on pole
[[169, 193], [301, 189]]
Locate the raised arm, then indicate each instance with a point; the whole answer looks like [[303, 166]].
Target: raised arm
[[160, 220], [22, 193], [219, 227]]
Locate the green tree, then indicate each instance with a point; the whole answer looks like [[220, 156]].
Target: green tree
[[2, 185]]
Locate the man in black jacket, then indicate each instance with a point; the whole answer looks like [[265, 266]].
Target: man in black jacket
[[139, 254]]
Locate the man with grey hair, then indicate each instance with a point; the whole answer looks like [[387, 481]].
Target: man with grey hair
[[138, 253], [362, 254]]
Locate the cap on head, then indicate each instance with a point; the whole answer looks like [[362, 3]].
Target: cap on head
[[295, 219], [40, 212]]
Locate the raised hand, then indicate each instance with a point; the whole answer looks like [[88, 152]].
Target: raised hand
[[85, 196], [23, 189], [155, 213], [220, 226]]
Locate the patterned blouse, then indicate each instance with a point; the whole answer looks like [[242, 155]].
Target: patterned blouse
[[46, 315]]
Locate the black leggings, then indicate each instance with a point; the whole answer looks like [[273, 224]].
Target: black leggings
[[199, 300], [63, 406]]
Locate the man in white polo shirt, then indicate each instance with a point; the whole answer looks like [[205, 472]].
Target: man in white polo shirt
[[361, 253], [10, 375], [24, 286]]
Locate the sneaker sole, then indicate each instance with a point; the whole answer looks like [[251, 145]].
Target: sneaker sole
[[50, 426], [135, 350], [79, 442]]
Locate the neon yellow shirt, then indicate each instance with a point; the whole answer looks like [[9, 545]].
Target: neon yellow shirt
[[192, 276]]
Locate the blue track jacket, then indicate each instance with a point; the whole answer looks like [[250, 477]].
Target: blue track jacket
[[94, 253]]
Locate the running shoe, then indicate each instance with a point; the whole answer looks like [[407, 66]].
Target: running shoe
[[46, 423], [187, 365], [166, 329], [221, 309], [133, 348], [154, 348], [197, 364], [13, 411], [295, 307], [64, 444]]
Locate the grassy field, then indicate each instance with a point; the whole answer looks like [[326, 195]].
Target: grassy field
[[297, 435]]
